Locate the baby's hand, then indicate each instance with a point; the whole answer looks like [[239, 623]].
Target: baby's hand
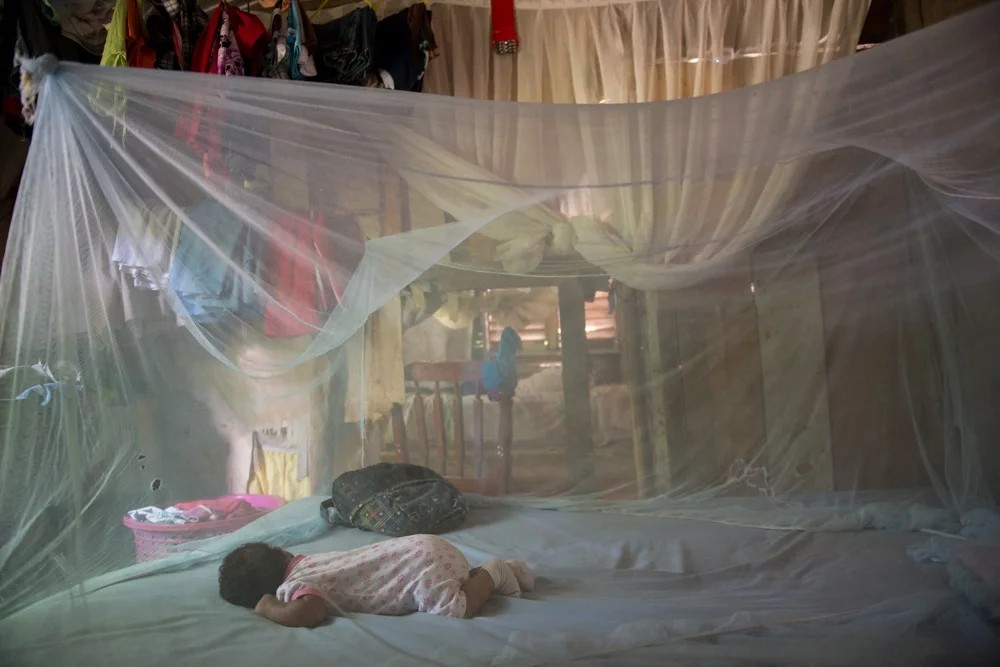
[[305, 612], [266, 604]]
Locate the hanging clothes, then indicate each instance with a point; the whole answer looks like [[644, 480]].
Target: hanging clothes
[[138, 53], [300, 267], [229, 61], [83, 21], [404, 44], [142, 251], [301, 43], [276, 65], [126, 44], [207, 287], [345, 48], [10, 15], [173, 28], [39, 34], [279, 467], [232, 44], [27, 31], [241, 35]]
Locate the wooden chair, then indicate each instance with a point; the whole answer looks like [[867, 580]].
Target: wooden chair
[[454, 374]]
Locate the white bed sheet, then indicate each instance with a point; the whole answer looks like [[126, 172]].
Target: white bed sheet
[[613, 590]]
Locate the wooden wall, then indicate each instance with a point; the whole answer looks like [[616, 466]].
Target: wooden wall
[[822, 375], [870, 416], [694, 372]]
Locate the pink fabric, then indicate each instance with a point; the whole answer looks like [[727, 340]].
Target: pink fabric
[[400, 576], [246, 30], [229, 62], [244, 42], [303, 592], [222, 508], [300, 267], [291, 565]]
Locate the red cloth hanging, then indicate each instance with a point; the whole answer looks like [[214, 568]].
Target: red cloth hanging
[[251, 38], [505, 40], [300, 268], [137, 53], [249, 33]]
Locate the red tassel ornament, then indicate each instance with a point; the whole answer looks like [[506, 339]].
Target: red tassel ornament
[[505, 40]]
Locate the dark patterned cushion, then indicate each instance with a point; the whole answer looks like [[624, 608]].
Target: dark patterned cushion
[[395, 499]]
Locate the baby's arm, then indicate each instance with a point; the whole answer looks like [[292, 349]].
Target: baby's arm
[[308, 611]]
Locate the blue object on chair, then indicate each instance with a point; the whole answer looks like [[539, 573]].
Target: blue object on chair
[[499, 375]]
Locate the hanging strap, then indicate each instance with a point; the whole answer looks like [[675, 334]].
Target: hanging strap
[[328, 510], [505, 39]]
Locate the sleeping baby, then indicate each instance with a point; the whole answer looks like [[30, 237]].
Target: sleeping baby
[[398, 576]]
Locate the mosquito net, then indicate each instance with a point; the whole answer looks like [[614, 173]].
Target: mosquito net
[[769, 308]]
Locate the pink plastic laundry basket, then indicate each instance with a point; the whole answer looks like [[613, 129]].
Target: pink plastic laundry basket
[[154, 541]]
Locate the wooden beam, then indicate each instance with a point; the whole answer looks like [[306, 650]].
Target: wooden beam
[[304, 415], [793, 364], [576, 385], [664, 387], [460, 279], [635, 379], [385, 373], [376, 361]]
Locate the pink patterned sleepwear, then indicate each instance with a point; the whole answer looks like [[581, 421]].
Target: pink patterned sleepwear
[[399, 576]]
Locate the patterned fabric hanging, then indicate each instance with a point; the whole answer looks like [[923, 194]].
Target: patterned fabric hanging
[[125, 45], [245, 37], [174, 27], [230, 62], [505, 40]]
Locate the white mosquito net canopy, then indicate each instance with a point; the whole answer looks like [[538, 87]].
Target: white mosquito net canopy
[[774, 307]]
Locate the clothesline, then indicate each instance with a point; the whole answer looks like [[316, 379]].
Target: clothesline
[[356, 49], [323, 5], [296, 257]]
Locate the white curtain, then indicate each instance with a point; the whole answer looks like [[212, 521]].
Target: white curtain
[[595, 51], [589, 51]]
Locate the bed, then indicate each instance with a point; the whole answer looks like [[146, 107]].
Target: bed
[[614, 589]]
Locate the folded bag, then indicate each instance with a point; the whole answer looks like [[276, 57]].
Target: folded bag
[[395, 499]]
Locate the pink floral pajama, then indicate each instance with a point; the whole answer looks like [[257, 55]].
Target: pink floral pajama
[[399, 576]]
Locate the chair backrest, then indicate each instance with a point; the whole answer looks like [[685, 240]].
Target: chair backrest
[[450, 448]]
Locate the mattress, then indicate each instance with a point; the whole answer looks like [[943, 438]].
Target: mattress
[[613, 589]]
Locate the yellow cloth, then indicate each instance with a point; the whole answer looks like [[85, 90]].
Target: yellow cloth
[[114, 47], [274, 472]]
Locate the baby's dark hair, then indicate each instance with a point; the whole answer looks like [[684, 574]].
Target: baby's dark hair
[[250, 572]]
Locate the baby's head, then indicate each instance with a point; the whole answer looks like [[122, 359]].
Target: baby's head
[[252, 571]]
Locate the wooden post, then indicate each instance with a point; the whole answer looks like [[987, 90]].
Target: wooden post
[[457, 411], [634, 377], [384, 379], [399, 434], [440, 437], [420, 415], [478, 434], [576, 386], [505, 438], [793, 364], [308, 414], [552, 332], [665, 388]]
